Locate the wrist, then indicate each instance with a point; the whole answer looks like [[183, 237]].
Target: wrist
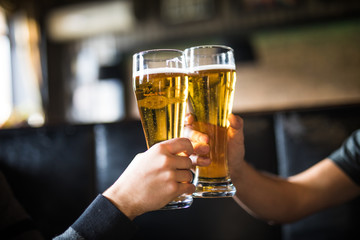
[[238, 171], [121, 203]]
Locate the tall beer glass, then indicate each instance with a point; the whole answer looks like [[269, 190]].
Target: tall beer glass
[[212, 78], [161, 89]]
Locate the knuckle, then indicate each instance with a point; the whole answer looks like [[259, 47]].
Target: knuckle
[[165, 163], [173, 187], [169, 176], [160, 146], [138, 155], [155, 148]]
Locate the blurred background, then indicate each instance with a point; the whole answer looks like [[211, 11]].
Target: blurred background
[[70, 60], [67, 106]]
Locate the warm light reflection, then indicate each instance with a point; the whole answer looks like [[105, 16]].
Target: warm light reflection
[[95, 98], [90, 19], [26, 75], [3, 26], [5, 80], [5, 71], [100, 101]]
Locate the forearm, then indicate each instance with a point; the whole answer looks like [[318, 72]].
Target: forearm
[[284, 200], [266, 196]]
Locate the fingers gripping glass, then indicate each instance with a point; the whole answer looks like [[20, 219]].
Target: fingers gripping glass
[[161, 89]]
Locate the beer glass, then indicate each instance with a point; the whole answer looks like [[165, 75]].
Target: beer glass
[[161, 89], [212, 77]]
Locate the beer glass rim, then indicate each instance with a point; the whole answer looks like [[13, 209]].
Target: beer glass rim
[[206, 57], [166, 55], [158, 50], [210, 46]]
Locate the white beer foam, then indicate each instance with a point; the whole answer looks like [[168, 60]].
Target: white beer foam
[[160, 70], [212, 67]]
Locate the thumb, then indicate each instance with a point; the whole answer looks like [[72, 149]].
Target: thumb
[[236, 148], [235, 132]]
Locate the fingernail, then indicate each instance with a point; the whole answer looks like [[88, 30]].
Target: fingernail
[[204, 149], [204, 161]]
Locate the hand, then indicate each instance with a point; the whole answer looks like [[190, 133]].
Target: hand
[[200, 142], [236, 148], [154, 178]]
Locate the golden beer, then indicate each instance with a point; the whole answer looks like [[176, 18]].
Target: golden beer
[[161, 99], [211, 90], [161, 89]]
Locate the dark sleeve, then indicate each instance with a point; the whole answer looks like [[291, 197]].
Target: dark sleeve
[[101, 220], [347, 157]]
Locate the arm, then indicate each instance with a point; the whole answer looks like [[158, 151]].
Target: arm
[[276, 199], [151, 180], [100, 220], [285, 200], [282, 200]]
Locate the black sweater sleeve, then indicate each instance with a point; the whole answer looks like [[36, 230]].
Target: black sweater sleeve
[[101, 220]]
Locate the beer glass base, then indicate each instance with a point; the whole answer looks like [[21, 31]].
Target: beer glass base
[[183, 201], [214, 188]]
